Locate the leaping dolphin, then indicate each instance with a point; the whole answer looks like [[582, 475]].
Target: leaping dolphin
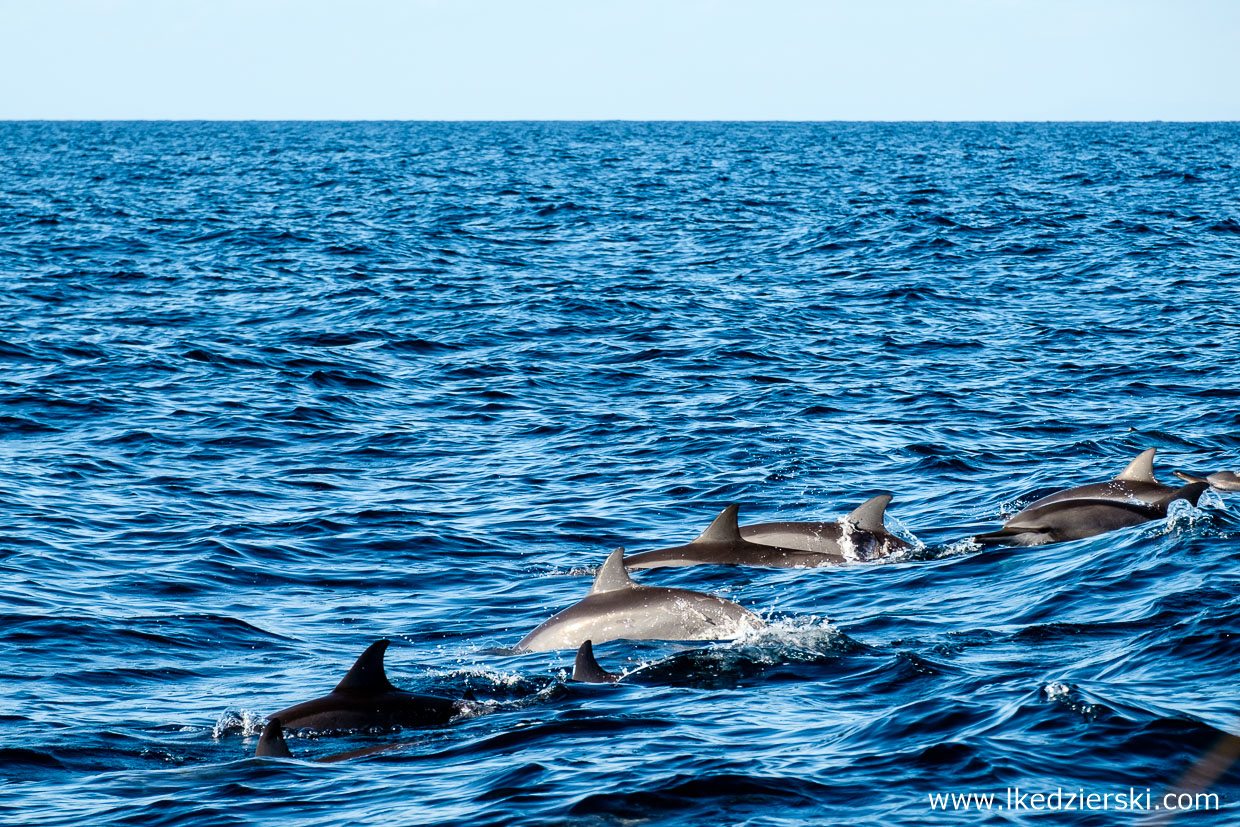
[[618, 608], [860, 535], [1075, 519], [365, 698], [1219, 481]]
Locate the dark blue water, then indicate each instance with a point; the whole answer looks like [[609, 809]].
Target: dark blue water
[[274, 391]]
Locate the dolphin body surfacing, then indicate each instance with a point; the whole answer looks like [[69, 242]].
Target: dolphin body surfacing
[[860, 535], [1074, 519], [586, 668], [271, 744], [365, 699], [618, 608], [1135, 484], [1219, 481]]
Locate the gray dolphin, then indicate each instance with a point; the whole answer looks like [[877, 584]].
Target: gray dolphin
[[1074, 519], [271, 744], [1220, 480], [587, 670], [366, 699], [860, 535], [617, 608], [1136, 483]]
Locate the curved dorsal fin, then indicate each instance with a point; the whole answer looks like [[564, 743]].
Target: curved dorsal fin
[[611, 575], [1140, 469], [367, 674], [869, 515], [271, 743], [586, 668], [724, 529]]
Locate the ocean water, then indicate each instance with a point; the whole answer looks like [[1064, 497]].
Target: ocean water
[[272, 391]]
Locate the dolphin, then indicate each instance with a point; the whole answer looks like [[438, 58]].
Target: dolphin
[[1136, 483], [860, 535], [617, 608], [365, 699], [271, 744], [1074, 519], [1220, 480], [587, 670]]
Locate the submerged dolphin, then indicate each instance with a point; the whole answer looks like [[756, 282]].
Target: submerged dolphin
[[1136, 483], [271, 744], [1220, 480], [617, 608], [366, 699], [1074, 519], [587, 670], [860, 535]]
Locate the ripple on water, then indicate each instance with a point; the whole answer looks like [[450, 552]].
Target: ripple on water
[[274, 391]]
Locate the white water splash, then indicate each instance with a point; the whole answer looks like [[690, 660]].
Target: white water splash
[[238, 722]]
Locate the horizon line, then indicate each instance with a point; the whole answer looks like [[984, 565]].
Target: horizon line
[[631, 120]]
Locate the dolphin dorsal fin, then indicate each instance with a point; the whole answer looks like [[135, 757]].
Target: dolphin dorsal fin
[[1140, 469], [367, 674], [612, 575], [587, 670], [869, 515], [271, 743], [724, 529]]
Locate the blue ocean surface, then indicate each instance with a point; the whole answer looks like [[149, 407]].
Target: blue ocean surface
[[274, 391]]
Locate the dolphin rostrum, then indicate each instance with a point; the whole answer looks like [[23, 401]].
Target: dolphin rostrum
[[366, 699], [860, 535], [1073, 519], [618, 608], [1220, 480]]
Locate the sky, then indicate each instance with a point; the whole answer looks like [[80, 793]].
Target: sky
[[620, 59]]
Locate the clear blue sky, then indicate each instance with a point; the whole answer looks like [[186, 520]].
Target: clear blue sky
[[630, 59]]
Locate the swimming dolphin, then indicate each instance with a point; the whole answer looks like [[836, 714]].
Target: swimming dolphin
[[1220, 480], [1136, 483], [366, 699], [587, 670], [617, 608], [782, 545], [860, 535], [271, 744], [1074, 519]]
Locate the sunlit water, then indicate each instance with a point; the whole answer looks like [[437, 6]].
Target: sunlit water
[[274, 391]]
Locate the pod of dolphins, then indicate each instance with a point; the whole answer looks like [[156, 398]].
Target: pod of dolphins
[[617, 607]]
